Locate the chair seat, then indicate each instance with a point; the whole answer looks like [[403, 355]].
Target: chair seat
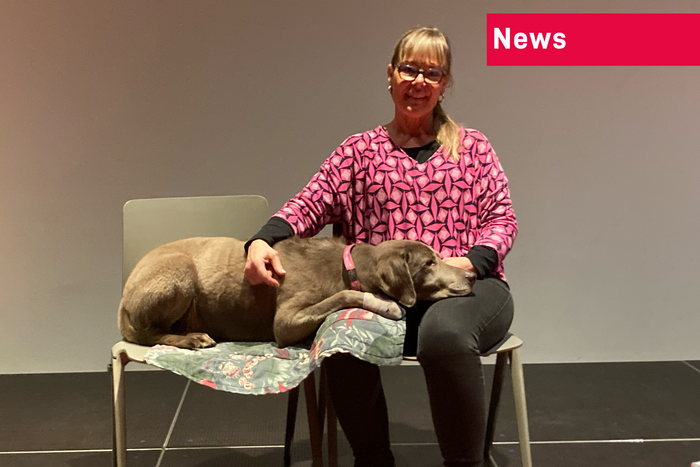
[[509, 343], [134, 352]]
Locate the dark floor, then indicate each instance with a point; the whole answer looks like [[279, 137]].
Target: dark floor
[[605, 414]]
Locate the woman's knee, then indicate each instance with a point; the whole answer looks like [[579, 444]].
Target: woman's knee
[[466, 325], [447, 329]]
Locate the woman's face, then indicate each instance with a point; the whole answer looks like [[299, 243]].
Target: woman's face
[[416, 98]]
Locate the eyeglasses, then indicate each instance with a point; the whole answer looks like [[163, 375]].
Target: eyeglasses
[[410, 72]]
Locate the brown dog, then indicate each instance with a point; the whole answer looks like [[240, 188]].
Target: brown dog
[[189, 292]]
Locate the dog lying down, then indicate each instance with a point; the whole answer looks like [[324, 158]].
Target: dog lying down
[[191, 293]]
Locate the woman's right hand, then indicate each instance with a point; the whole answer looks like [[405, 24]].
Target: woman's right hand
[[263, 264]]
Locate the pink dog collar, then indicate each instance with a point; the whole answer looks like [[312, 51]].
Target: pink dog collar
[[350, 267]]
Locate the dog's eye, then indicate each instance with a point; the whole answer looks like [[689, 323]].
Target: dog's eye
[[430, 262]]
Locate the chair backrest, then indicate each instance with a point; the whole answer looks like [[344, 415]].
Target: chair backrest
[[149, 223]]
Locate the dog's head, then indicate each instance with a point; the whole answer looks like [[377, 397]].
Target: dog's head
[[410, 271]]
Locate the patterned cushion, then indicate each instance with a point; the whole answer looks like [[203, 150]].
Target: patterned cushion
[[263, 368]]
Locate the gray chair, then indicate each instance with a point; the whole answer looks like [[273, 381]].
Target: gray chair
[[506, 350], [149, 223]]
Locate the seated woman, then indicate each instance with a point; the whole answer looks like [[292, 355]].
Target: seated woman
[[418, 177]]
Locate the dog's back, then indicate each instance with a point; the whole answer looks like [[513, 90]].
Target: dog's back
[[195, 285], [312, 265], [198, 285]]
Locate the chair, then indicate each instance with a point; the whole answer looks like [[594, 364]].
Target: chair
[[149, 223], [507, 349]]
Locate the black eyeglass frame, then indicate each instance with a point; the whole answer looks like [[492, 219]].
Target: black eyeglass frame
[[420, 71]]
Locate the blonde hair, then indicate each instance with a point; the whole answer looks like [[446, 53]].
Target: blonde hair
[[433, 43]]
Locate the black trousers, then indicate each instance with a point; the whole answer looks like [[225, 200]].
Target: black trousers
[[448, 337]]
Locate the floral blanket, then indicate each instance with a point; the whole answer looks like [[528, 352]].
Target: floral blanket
[[264, 368]]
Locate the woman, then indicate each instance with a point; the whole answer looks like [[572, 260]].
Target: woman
[[419, 177]]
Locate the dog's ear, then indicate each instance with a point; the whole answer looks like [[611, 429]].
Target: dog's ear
[[395, 278]]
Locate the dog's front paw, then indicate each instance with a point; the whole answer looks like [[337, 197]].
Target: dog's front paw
[[382, 306], [199, 340]]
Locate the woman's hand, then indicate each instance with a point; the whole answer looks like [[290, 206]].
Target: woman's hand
[[263, 265], [460, 262]]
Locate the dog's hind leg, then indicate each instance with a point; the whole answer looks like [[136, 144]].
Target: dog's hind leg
[[292, 326], [159, 304]]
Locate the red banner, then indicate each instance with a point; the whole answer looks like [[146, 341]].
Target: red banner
[[593, 39]]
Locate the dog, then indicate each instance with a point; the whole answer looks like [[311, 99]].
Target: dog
[[192, 293]]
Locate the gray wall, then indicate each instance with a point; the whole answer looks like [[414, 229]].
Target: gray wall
[[101, 102]]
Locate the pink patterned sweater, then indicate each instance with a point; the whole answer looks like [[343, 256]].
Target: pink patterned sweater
[[379, 193]]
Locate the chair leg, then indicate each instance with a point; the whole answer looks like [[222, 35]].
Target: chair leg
[[312, 415], [498, 377], [520, 407], [332, 424], [118, 411], [292, 404], [322, 398]]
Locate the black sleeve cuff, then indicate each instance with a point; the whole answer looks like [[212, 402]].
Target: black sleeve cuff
[[275, 230], [483, 258]]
